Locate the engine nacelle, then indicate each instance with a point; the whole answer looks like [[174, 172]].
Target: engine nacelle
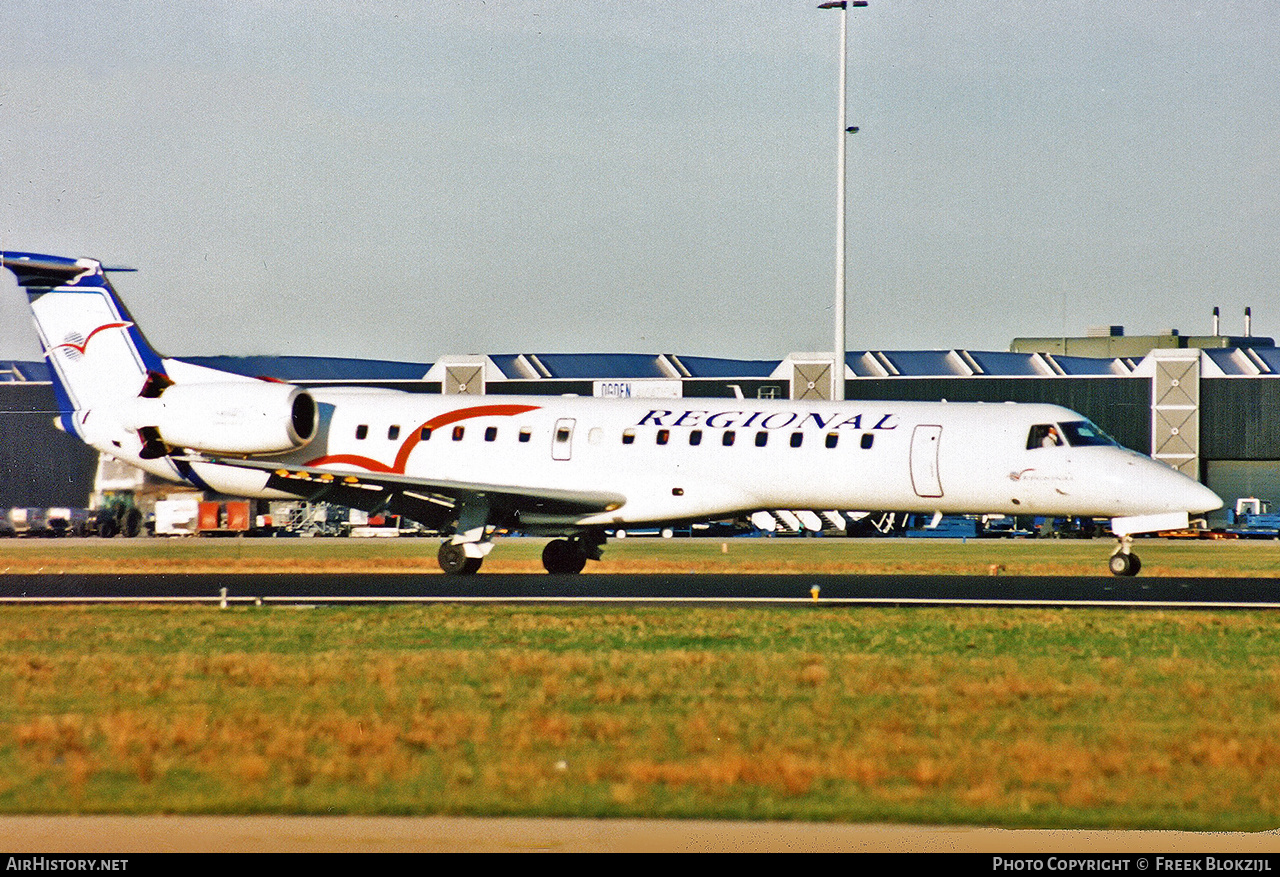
[[230, 417]]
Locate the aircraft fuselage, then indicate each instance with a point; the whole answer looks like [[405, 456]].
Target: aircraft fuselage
[[692, 459]]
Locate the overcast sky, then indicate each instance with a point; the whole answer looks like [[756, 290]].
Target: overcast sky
[[403, 180]]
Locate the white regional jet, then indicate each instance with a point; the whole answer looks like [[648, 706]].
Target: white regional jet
[[571, 468]]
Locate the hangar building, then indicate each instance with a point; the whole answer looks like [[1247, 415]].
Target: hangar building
[[1207, 405]]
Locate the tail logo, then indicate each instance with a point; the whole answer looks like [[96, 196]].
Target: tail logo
[[76, 343]]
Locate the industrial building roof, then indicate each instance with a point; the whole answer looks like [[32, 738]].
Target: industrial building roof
[[1247, 360], [708, 367], [607, 366], [1235, 361], [979, 363], [23, 372], [313, 368], [592, 365]]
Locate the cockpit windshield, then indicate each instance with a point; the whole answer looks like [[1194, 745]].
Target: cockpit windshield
[[1076, 433], [1082, 433]]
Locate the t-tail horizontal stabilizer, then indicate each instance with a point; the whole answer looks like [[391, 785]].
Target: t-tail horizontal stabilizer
[[96, 353]]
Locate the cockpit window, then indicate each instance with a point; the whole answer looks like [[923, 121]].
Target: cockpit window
[[1044, 435], [1081, 433]]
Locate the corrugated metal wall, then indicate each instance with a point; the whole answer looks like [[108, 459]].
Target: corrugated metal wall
[[1121, 406], [40, 465], [1232, 479], [1240, 418]]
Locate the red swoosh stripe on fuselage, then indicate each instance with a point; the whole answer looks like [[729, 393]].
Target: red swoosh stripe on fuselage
[[406, 448]]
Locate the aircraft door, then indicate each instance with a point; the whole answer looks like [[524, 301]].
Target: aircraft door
[[924, 460], [562, 439]]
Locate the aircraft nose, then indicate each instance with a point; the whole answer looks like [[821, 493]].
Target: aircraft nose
[[1185, 494], [1156, 487], [1202, 499]]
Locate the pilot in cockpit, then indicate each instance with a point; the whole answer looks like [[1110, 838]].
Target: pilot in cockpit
[[1044, 435]]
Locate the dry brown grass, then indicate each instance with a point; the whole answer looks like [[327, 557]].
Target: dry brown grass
[[1014, 717], [1161, 557]]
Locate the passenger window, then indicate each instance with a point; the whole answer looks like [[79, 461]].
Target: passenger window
[[868, 439], [695, 437], [628, 436], [664, 435], [425, 433], [458, 432], [762, 439], [1043, 435], [362, 431], [525, 434], [727, 441], [833, 439], [490, 433], [393, 432], [797, 439]]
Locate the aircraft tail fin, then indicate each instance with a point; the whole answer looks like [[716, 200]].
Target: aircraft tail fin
[[96, 354]]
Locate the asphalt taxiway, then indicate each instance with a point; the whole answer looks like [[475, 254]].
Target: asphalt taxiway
[[794, 588]]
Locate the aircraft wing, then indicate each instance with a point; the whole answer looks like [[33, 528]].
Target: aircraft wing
[[428, 501]]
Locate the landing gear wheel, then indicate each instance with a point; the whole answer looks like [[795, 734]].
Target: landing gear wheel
[[453, 560], [1122, 564], [563, 557]]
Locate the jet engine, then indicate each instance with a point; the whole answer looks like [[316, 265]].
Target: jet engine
[[240, 417]]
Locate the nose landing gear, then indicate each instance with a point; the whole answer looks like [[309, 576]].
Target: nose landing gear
[[1123, 561]]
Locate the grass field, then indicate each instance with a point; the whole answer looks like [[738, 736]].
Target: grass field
[[1008, 717]]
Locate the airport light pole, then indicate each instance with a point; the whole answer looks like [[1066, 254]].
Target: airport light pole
[[837, 366]]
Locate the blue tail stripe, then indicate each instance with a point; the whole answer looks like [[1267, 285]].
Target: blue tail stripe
[[66, 411]]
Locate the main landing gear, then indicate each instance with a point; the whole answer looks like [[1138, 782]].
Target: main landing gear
[[569, 556], [1123, 561], [565, 556], [453, 559]]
